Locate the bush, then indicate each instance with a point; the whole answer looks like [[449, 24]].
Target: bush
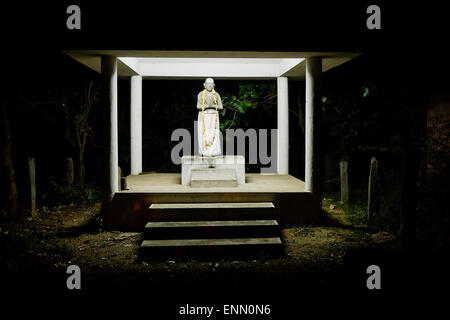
[[66, 194], [387, 218]]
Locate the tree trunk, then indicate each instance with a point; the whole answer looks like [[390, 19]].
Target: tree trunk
[[32, 181], [81, 143], [11, 196], [374, 188], [81, 171], [343, 165]]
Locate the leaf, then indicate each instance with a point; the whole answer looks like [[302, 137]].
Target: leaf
[[366, 92], [247, 104], [254, 95]]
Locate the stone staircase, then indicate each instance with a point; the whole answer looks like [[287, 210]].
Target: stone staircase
[[241, 229]]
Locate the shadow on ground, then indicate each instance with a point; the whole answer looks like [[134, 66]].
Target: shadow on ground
[[320, 263]]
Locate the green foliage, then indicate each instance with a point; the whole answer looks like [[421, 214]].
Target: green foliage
[[386, 219], [98, 223], [66, 194], [238, 108], [356, 214]]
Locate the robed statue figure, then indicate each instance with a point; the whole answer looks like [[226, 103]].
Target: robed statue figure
[[209, 104]]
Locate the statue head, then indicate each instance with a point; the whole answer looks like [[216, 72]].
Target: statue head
[[209, 84]]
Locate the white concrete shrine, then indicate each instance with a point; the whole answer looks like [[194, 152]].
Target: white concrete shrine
[[279, 66]]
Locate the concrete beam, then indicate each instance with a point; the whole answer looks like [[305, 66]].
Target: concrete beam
[[248, 64], [209, 67], [129, 62]]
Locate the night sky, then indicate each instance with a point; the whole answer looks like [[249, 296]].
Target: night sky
[[34, 33], [317, 26]]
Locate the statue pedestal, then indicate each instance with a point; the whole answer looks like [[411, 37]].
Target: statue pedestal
[[220, 171]]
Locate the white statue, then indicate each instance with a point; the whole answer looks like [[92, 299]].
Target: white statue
[[209, 104]]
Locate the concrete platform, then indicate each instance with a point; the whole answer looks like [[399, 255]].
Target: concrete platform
[[171, 182], [130, 207]]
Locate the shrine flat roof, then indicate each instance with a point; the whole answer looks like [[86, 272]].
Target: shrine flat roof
[[172, 64]]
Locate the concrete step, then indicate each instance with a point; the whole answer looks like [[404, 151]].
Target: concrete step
[[213, 177], [211, 229], [244, 247], [211, 211]]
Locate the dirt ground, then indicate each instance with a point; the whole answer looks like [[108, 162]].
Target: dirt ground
[[317, 261], [64, 235]]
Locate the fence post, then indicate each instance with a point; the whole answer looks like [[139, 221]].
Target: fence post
[[120, 178], [344, 181], [373, 204], [32, 180]]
